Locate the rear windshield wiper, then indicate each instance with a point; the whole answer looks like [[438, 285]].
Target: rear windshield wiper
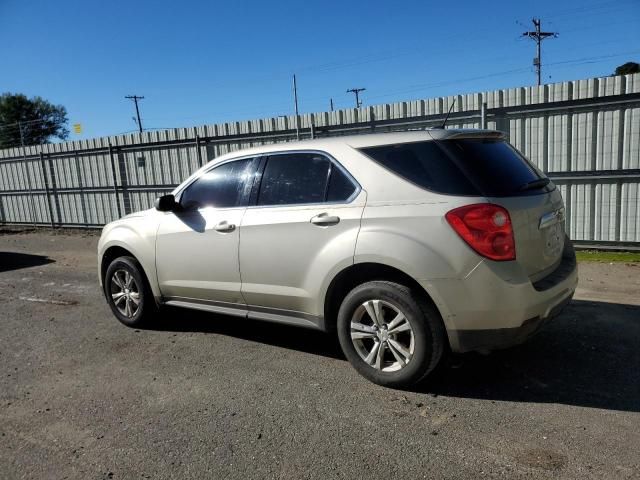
[[532, 185]]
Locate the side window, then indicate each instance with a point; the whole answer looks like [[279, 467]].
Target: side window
[[294, 179], [221, 187], [425, 164], [340, 186]]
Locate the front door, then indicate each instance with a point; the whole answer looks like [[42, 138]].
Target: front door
[[197, 245]]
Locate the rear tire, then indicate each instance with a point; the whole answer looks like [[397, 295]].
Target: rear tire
[[390, 336], [128, 293]]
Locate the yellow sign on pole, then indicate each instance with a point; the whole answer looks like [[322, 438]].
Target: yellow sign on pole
[[77, 128]]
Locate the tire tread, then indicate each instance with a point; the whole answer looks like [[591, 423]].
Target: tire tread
[[432, 322], [148, 302]]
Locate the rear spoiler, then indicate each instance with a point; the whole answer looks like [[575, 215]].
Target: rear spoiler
[[492, 134]]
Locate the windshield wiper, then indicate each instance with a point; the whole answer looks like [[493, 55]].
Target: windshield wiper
[[532, 185]]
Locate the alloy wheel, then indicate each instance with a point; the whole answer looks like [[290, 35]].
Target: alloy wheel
[[382, 335], [125, 293]]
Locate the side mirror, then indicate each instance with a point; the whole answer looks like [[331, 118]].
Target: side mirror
[[166, 203]]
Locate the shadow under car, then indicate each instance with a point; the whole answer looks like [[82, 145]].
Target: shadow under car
[[587, 356]]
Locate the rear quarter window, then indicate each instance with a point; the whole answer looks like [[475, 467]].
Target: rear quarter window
[[425, 164], [485, 167], [496, 167]]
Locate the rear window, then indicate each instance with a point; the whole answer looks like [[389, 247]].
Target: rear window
[[486, 167]]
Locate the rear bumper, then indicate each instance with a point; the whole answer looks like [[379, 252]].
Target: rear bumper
[[497, 305], [495, 339]]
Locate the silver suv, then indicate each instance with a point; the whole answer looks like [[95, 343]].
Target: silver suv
[[408, 245]]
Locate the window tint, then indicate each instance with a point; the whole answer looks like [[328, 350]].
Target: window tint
[[221, 187], [424, 164], [294, 179], [340, 186], [484, 167], [495, 166]]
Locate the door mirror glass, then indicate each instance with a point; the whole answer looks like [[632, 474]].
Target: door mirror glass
[[166, 203]]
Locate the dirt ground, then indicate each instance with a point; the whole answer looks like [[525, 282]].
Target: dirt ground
[[209, 396]]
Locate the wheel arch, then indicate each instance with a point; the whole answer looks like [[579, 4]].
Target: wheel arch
[[359, 273], [110, 254], [116, 250]]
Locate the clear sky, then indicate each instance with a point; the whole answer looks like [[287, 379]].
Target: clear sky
[[200, 61]]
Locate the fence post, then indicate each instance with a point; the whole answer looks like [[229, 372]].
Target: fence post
[[620, 166], [4, 186], [2, 218], [83, 202], [115, 181], [46, 187], [124, 183], [54, 188], [32, 207], [198, 152]]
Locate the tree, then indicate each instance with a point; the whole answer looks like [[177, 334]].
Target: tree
[[629, 67], [30, 121]]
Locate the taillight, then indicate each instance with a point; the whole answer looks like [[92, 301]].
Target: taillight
[[486, 228]]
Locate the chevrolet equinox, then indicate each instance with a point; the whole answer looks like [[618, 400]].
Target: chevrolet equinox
[[407, 245]]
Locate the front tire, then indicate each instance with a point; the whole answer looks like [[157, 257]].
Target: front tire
[[127, 292], [390, 336]]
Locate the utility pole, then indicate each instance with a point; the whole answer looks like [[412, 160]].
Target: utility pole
[[135, 99], [295, 103], [357, 91], [331, 103], [538, 36]]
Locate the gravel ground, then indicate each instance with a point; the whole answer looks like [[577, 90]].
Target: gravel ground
[[206, 396]]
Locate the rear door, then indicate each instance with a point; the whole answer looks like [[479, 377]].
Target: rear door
[[303, 223]]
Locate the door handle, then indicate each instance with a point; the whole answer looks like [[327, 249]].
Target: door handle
[[224, 227], [325, 220]]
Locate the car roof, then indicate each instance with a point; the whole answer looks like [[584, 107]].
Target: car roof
[[366, 140], [329, 144]]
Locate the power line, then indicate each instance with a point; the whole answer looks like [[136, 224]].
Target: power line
[[596, 59], [20, 127], [358, 61], [538, 35], [23, 122], [135, 99], [356, 92], [589, 9], [427, 86], [264, 109], [267, 109], [594, 28]]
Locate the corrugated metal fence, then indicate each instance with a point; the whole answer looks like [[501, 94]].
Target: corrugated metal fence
[[585, 134]]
